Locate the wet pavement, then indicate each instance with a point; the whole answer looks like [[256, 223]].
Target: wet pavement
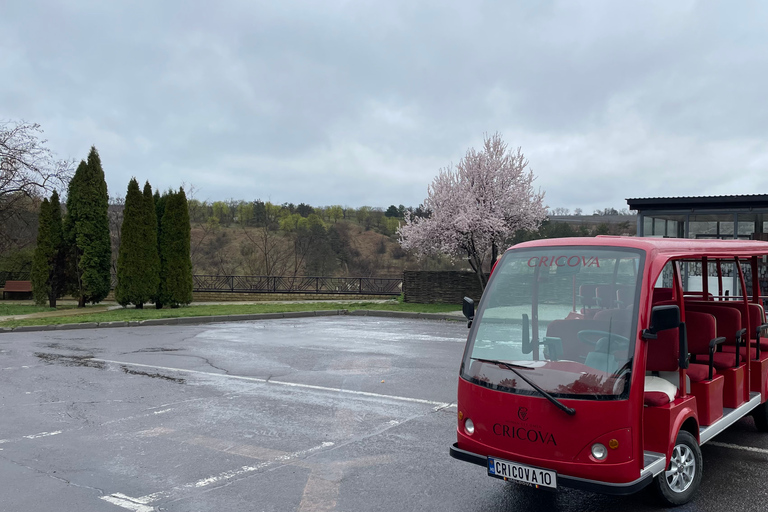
[[311, 414]]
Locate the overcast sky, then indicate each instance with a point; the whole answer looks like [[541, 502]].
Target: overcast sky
[[362, 102]]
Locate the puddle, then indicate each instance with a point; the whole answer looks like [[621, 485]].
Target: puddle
[[153, 375], [86, 361]]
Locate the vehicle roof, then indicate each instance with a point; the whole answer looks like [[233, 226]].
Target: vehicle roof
[[667, 248]]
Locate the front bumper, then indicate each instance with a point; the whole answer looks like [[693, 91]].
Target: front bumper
[[567, 481]]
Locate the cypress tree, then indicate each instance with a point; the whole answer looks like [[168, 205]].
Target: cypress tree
[[48, 264], [88, 232], [159, 211], [151, 255], [41, 261], [175, 260], [130, 282]]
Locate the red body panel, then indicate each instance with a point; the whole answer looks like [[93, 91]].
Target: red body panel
[[659, 422], [548, 437], [733, 391], [709, 399]]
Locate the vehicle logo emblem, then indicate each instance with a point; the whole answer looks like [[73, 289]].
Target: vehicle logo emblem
[[522, 413]]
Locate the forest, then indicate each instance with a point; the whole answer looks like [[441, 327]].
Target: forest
[[239, 237]]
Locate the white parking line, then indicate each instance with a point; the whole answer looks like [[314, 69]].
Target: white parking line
[[738, 447], [43, 434], [437, 405], [142, 504], [126, 502]]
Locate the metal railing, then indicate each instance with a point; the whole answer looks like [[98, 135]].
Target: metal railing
[[273, 284], [282, 284]]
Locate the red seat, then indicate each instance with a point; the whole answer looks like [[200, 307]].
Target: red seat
[[728, 326], [606, 296], [654, 398], [587, 295], [662, 355], [706, 385], [699, 372], [729, 364], [701, 329], [661, 295]]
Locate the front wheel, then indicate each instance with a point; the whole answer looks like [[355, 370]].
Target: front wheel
[[680, 481]]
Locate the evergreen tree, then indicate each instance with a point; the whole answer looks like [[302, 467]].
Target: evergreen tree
[[159, 211], [87, 232], [48, 265], [41, 260], [175, 260], [137, 268], [152, 254]]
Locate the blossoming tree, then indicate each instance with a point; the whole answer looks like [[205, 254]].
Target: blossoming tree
[[477, 206]]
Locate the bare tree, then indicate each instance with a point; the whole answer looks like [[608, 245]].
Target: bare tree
[[265, 252], [28, 170]]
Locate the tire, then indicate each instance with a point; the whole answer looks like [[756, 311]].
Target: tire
[[681, 480], [760, 415]]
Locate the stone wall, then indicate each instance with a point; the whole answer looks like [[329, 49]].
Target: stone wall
[[446, 287]]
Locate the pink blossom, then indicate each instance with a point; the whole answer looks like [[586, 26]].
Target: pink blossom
[[477, 206]]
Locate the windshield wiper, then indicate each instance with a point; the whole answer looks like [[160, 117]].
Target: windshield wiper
[[513, 368]]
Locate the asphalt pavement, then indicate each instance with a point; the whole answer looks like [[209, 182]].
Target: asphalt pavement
[[297, 414]]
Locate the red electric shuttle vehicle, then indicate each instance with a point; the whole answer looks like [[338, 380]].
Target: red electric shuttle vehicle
[[605, 363]]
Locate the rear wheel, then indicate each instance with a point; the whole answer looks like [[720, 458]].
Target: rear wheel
[[760, 414], [679, 482]]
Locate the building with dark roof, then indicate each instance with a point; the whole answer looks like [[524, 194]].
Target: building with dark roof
[[721, 217]]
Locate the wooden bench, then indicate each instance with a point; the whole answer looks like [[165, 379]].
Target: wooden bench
[[24, 287]]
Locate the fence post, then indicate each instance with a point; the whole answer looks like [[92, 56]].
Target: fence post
[[317, 285], [232, 283], [360, 286]]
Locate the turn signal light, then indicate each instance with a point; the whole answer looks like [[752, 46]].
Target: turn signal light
[[613, 444], [461, 415]]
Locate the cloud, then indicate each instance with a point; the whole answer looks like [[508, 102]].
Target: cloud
[[362, 102]]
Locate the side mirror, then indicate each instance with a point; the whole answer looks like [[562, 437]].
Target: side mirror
[[468, 308], [662, 318]]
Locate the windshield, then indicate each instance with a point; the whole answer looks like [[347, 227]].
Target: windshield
[[565, 315]]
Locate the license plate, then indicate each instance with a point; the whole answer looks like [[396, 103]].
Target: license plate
[[512, 471]]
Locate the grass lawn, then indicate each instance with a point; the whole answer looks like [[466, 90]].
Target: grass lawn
[[23, 309], [118, 315]]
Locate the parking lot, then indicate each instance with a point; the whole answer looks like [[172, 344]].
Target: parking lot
[[307, 414]]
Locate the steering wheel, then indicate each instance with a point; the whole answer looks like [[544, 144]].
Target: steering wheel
[[591, 337]]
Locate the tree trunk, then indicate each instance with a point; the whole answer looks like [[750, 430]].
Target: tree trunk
[[81, 301], [478, 268]]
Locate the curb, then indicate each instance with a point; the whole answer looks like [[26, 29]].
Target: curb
[[198, 320]]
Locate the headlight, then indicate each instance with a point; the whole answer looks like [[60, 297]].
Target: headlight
[[599, 451], [469, 427]]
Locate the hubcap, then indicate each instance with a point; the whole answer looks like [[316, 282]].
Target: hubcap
[[682, 469]]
